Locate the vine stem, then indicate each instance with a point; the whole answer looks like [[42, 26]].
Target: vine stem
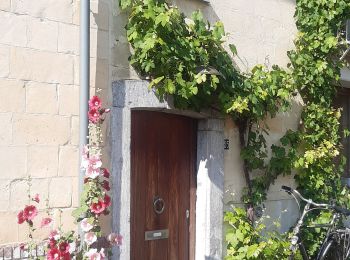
[[243, 126]]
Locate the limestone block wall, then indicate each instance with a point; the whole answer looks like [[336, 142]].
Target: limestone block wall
[[39, 85], [39, 103]]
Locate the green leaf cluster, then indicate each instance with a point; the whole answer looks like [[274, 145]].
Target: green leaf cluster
[[182, 57], [245, 241]]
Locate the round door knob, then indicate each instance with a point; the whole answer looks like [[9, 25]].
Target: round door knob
[[158, 205]]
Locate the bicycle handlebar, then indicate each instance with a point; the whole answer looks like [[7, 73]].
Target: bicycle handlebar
[[338, 209]]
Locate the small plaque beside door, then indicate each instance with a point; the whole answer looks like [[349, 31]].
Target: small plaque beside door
[[157, 234]]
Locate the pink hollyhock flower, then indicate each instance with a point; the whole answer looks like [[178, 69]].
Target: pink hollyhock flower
[[36, 198], [20, 217], [93, 167], [90, 238], [30, 212], [105, 185], [63, 247], [85, 225], [98, 207], [107, 201], [53, 254], [94, 115], [92, 254], [105, 172], [95, 102], [115, 239], [45, 222]]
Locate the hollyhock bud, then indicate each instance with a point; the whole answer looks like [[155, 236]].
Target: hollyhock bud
[[105, 172], [105, 185], [36, 198], [107, 201]]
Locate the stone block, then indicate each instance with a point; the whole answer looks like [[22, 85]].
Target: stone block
[[74, 130], [51, 9], [8, 223], [99, 44], [13, 29], [99, 72], [119, 73], [68, 99], [41, 98], [66, 219], [6, 128], [75, 192], [60, 192], [42, 34], [4, 61], [42, 161], [99, 14], [5, 5], [12, 96], [41, 129], [68, 161], [68, 38], [41, 66], [4, 195], [13, 159], [19, 193]]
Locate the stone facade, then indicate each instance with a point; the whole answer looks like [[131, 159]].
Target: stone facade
[[39, 85], [39, 102]]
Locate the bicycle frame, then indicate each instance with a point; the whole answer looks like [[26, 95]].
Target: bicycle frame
[[295, 239]]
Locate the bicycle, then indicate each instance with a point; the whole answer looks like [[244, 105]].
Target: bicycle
[[336, 244]]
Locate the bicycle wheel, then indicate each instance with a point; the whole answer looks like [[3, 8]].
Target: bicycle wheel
[[337, 248]]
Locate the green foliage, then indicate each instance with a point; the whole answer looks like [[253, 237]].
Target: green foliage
[[245, 241], [316, 72], [184, 58], [179, 54]]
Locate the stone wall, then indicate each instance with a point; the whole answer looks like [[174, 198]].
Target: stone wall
[[39, 103]]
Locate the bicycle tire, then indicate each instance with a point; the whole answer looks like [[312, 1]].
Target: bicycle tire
[[332, 250]]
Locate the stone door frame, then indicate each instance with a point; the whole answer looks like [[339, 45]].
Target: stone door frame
[[134, 94]]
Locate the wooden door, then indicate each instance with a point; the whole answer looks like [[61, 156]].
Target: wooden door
[[163, 148]]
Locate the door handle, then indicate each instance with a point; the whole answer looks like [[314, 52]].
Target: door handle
[[158, 205]]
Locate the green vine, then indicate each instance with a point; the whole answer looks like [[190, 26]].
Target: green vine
[[185, 58]]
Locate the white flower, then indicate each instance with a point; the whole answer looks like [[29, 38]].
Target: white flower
[[90, 238], [189, 22], [85, 225], [72, 247]]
